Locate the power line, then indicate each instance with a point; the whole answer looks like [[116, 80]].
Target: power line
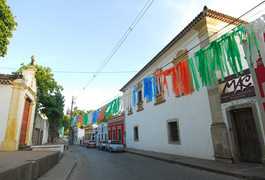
[[135, 22], [211, 36], [80, 72]]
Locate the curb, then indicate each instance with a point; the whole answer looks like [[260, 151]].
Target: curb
[[70, 170], [199, 167]]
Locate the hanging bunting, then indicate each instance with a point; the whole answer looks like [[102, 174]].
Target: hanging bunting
[[79, 122], [95, 116], [148, 90], [194, 74], [134, 96], [101, 113], [85, 119]]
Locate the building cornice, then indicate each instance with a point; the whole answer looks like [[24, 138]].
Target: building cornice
[[205, 13]]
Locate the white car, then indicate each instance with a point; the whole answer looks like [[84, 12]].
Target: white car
[[114, 145]]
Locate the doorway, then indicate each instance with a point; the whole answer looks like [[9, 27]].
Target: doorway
[[247, 136], [24, 125]]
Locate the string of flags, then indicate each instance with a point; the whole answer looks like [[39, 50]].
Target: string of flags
[[220, 55], [111, 108]]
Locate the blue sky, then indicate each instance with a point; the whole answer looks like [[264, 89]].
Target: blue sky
[[78, 36]]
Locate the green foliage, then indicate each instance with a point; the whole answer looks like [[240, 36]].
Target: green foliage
[[50, 100], [7, 26], [78, 112], [64, 121], [45, 82], [52, 106], [105, 119]]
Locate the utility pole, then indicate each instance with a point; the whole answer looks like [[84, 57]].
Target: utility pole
[[69, 132]]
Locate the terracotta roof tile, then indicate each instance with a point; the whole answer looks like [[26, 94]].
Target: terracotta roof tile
[[205, 13], [7, 78]]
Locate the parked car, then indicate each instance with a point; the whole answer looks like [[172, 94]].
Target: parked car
[[91, 143], [114, 145], [102, 145]]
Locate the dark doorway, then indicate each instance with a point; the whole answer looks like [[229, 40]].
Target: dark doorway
[[247, 136], [24, 125]]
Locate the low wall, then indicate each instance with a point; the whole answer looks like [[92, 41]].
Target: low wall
[[57, 147], [31, 169]]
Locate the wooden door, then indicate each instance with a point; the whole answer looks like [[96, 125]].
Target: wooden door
[[247, 136], [41, 137], [24, 125]]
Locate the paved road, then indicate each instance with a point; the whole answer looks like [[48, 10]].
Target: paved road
[[95, 164]]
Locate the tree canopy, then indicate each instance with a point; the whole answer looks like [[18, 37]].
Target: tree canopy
[[50, 100], [45, 82], [52, 105], [7, 26]]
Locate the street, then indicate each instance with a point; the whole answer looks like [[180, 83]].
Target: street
[[96, 164]]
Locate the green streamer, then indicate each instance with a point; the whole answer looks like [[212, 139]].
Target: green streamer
[[193, 73], [85, 119]]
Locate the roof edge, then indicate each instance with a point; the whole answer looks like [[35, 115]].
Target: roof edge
[[205, 12]]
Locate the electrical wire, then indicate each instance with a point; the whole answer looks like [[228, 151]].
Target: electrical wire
[[79, 72], [135, 22], [208, 37], [197, 44]]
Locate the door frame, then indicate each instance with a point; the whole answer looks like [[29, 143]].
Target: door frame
[[232, 132]]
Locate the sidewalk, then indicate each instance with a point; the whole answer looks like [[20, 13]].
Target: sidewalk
[[26, 164], [249, 171], [63, 169]]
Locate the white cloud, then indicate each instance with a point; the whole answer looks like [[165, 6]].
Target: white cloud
[[91, 98]]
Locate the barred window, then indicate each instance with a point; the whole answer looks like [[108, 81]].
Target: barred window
[[173, 131], [136, 135]]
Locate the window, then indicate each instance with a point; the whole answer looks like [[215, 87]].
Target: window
[[136, 135], [119, 135], [114, 133], [140, 96], [105, 136], [173, 131], [159, 98], [101, 136], [109, 134]]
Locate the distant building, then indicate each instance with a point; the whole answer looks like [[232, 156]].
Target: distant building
[[102, 132], [41, 130], [116, 129]]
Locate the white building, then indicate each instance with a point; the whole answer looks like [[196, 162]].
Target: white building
[[102, 132], [78, 135], [193, 125], [41, 130], [17, 107]]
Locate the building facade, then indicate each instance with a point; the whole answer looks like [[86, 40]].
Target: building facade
[[18, 100], [41, 131], [116, 129], [198, 125], [102, 132]]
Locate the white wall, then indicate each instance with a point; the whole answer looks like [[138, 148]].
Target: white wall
[[5, 98], [192, 112], [45, 132]]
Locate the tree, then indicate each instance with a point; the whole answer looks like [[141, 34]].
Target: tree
[[47, 90], [7, 26], [52, 106], [45, 82], [64, 121]]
